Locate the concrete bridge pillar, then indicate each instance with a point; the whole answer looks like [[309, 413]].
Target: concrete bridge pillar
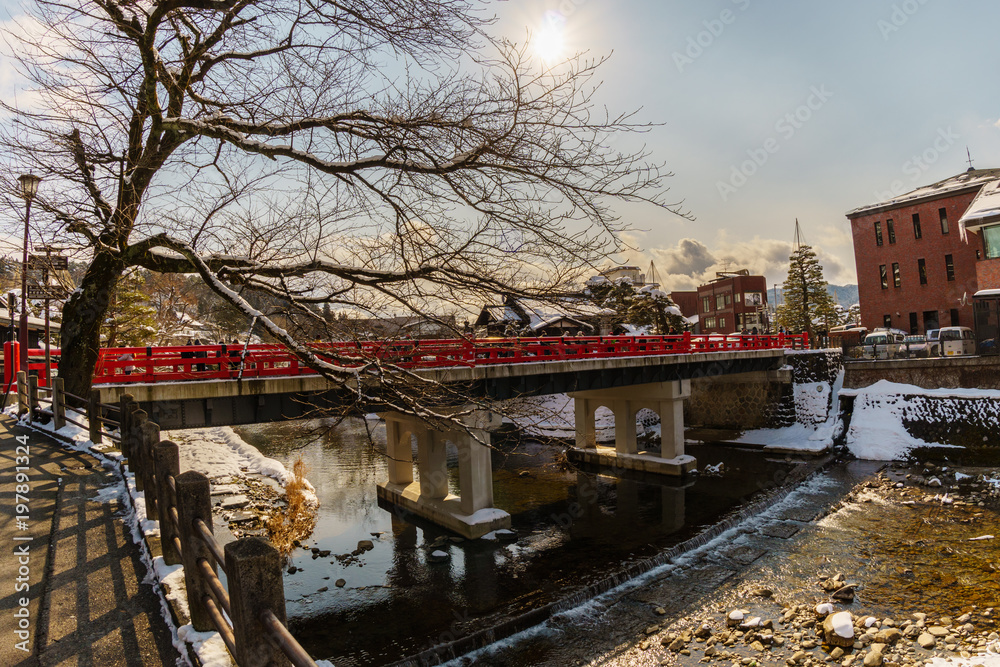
[[664, 398], [432, 463], [625, 435], [429, 498], [586, 429]]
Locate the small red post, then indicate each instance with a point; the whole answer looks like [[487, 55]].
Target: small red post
[[11, 362]]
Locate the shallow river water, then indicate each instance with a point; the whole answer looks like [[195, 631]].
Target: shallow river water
[[574, 529]]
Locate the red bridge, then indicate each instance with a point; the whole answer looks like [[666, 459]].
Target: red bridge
[[148, 365]]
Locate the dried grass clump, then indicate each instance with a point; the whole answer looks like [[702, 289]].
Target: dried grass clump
[[296, 521]]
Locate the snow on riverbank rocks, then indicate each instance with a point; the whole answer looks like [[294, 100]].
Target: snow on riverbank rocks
[[246, 485], [890, 420]]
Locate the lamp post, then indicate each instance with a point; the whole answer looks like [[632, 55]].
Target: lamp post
[[29, 188]]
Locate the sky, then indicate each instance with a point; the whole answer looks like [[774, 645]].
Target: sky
[[775, 111], [768, 112]]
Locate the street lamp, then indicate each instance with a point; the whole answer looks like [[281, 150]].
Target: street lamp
[[29, 188]]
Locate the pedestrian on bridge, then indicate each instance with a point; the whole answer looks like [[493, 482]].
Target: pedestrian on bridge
[[200, 354]]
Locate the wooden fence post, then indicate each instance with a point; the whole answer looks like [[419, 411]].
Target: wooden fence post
[[253, 568], [148, 438], [137, 421], [58, 403], [94, 416], [126, 405], [32, 397], [167, 463], [22, 393], [194, 501]]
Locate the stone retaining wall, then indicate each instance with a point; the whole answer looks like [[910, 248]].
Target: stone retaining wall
[[948, 373], [748, 401]]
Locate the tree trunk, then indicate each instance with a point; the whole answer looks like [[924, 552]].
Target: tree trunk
[[83, 315]]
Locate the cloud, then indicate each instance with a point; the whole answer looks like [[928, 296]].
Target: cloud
[[688, 257], [691, 263], [997, 124]]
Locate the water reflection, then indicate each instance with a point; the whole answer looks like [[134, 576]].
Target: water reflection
[[575, 527]]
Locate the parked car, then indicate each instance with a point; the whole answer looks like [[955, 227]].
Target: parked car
[[884, 344], [933, 343], [916, 345], [957, 341]]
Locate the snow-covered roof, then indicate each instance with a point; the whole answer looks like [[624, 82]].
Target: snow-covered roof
[[537, 324], [987, 292], [984, 209], [972, 178]]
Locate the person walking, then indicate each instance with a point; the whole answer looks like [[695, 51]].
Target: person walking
[[200, 354]]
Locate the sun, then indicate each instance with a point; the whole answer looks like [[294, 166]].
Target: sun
[[549, 42]]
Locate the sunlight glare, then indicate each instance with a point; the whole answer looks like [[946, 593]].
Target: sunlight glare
[[549, 42]]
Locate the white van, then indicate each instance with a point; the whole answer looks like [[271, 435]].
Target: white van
[[885, 344], [957, 341]]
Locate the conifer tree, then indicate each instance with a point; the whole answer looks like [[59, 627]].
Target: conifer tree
[[805, 290], [130, 320]]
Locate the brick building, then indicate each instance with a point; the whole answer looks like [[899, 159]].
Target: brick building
[[732, 302], [916, 265]]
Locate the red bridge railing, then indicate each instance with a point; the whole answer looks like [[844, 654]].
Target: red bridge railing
[[134, 365]]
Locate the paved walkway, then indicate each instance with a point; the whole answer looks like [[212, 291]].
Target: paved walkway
[[87, 603]]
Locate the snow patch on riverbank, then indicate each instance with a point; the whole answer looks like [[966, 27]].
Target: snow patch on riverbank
[[552, 416], [817, 420], [877, 431]]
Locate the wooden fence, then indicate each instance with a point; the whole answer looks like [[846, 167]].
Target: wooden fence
[[255, 633]]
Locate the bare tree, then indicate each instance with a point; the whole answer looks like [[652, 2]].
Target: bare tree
[[377, 156]]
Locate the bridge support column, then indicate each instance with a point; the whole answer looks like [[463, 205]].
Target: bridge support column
[[586, 428], [471, 513], [399, 449], [664, 398]]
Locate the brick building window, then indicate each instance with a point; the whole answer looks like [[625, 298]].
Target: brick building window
[[884, 276], [720, 301], [706, 304], [914, 326], [922, 269], [709, 322], [916, 226], [954, 318], [895, 274], [949, 266], [878, 233], [890, 228], [722, 323], [991, 239], [943, 214], [887, 321]]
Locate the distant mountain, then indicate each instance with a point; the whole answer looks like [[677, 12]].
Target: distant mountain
[[845, 295]]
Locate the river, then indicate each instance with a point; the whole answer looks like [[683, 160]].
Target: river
[[574, 528]]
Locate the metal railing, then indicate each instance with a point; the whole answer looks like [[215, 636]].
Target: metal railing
[[133, 365], [254, 604]]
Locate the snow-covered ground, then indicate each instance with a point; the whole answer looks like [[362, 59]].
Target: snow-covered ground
[[877, 431], [817, 421]]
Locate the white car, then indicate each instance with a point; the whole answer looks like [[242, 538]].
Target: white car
[[957, 341]]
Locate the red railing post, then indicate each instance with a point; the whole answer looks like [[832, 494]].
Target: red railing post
[[686, 342]]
